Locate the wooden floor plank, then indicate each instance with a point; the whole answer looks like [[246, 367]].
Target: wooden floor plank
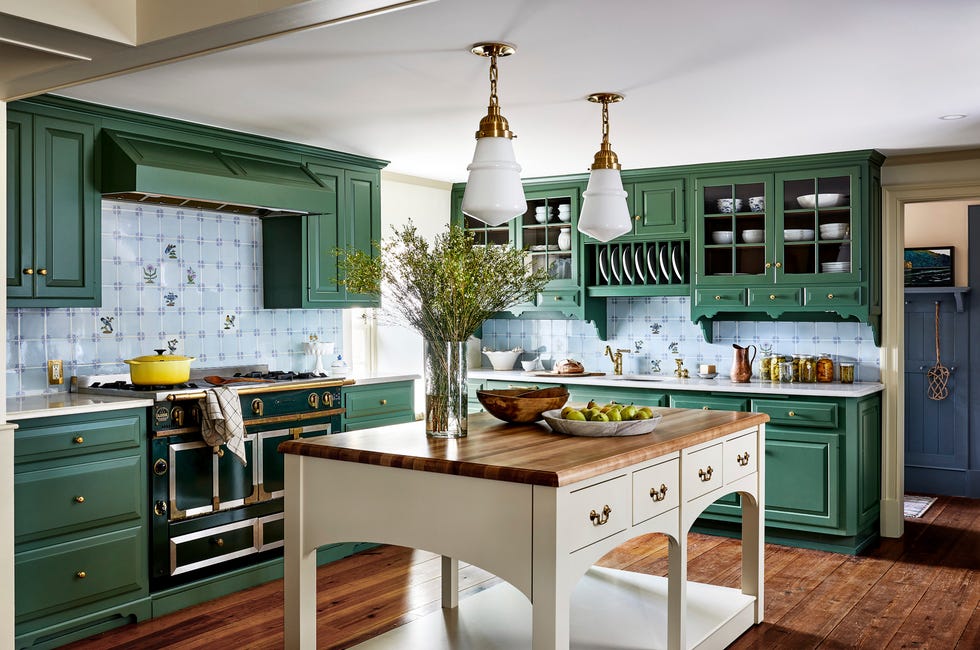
[[922, 590]]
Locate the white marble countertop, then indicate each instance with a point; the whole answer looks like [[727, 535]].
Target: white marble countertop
[[65, 403], [364, 380], [720, 384]]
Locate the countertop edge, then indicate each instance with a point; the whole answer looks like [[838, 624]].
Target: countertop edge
[[382, 379], [718, 385], [64, 403]]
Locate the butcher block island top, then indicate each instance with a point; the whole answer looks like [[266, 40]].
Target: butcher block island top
[[522, 453]]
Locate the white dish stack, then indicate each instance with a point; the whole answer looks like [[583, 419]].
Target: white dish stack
[[542, 214], [564, 212], [836, 267]]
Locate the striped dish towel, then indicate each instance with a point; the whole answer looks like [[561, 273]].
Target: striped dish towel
[[221, 421]]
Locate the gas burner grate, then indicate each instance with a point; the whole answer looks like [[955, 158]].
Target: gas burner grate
[[279, 375], [124, 385]]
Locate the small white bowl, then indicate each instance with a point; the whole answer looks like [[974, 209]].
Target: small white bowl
[[828, 200], [722, 237], [753, 236], [529, 365], [503, 360], [726, 205], [798, 234], [834, 231]]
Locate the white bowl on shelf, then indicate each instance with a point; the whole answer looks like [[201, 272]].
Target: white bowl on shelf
[[824, 200], [757, 203], [722, 236], [834, 230], [729, 205], [753, 236], [798, 234]]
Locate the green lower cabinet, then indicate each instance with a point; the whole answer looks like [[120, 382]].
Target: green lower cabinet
[[708, 402], [823, 473], [81, 556], [378, 405]]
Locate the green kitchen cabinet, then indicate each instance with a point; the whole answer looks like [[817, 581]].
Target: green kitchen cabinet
[[376, 405], [53, 210], [581, 395], [299, 258], [764, 251], [657, 206], [80, 530]]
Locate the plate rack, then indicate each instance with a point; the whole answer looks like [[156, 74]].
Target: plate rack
[[639, 268]]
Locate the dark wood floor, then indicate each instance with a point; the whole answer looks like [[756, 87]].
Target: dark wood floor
[[920, 591]]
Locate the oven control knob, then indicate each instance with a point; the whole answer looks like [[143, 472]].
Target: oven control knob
[[328, 399], [177, 415], [313, 400], [160, 508], [257, 406], [195, 415], [160, 467]]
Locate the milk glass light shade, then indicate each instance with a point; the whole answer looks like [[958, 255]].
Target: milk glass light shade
[[494, 193], [605, 214]]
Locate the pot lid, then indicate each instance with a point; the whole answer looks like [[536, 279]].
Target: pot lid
[[159, 357]]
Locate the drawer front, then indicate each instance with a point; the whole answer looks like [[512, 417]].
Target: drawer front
[[79, 436], [558, 299], [741, 457], [68, 575], [720, 297], [380, 401], [762, 297], [74, 497], [796, 414], [212, 546], [597, 512], [703, 471], [656, 490], [709, 402], [833, 296]]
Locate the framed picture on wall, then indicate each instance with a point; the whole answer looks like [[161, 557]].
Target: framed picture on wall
[[929, 267]]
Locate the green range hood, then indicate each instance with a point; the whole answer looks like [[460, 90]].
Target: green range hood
[[148, 169]]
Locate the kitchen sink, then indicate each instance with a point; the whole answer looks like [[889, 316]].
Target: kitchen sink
[[638, 377]]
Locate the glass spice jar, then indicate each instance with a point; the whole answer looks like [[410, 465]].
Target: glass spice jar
[[774, 367], [825, 368], [797, 362], [808, 369], [847, 373], [786, 371], [765, 365]]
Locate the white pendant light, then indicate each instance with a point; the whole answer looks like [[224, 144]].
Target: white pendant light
[[494, 193], [605, 214]]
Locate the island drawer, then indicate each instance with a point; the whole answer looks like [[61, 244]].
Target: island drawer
[[597, 512], [741, 457], [656, 490], [83, 434], [73, 497], [63, 576], [703, 471], [799, 414]]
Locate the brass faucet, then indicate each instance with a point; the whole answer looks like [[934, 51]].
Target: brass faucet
[[617, 359]]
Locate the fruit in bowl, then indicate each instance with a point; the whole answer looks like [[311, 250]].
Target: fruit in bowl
[[611, 419]]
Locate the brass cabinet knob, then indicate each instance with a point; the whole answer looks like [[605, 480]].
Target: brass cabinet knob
[[705, 408], [557, 297], [792, 414], [79, 499], [78, 440], [42, 271], [383, 402], [219, 542], [80, 575], [28, 271], [717, 297], [779, 265], [768, 265], [772, 296], [830, 296], [636, 218]]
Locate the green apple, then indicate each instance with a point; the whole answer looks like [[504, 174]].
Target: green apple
[[574, 415]]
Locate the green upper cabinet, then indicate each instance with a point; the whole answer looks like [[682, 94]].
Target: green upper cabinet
[[298, 252], [657, 207], [53, 215], [791, 238]]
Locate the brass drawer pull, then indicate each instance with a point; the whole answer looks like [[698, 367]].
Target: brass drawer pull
[[830, 296], [705, 408], [658, 495], [78, 440], [28, 271], [80, 575], [42, 271], [772, 296], [557, 297], [599, 520], [717, 297], [792, 414], [768, 265], [219, 542], [743, 460], [779, 265], [79, 499], [705, 476], [383, 402]]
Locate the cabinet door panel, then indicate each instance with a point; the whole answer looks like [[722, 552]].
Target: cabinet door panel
[[325, 233], [659, 208], [67, 247], [363, 201], [802, 478], [20, 205]]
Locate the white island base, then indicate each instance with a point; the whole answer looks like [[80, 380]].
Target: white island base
[[609, 609]]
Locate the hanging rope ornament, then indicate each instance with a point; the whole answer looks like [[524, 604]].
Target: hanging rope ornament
[[939, 374]]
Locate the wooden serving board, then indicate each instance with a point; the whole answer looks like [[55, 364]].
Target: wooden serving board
[[547, 373]]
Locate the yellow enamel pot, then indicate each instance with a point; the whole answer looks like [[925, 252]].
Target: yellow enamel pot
[[159, 369]]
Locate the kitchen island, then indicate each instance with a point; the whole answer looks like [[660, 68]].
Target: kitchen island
[[537, 509]]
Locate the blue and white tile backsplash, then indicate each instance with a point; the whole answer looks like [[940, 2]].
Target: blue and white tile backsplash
[[188, 280], [659, 330]]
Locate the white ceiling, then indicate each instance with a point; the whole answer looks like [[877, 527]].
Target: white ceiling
[[704, 80]]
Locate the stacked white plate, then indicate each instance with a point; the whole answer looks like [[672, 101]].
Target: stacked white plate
[[836, 267], [834, 231], [798, 234], [564, 212]]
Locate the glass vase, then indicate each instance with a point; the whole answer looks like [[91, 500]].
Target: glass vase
[[445, 388]]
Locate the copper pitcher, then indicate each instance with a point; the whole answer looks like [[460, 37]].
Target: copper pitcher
[[742, 364]]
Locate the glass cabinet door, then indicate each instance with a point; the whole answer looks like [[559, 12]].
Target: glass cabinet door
[[816, 232], [484, 234], [733, 221], [547, 231]]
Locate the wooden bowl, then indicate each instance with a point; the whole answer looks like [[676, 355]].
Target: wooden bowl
[[520, 405]]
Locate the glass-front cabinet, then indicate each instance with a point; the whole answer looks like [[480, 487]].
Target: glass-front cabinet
[[735, 230], [546, 232]]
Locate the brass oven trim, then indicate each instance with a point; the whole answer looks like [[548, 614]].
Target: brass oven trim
[[216, 504], [266, 388], [278, 419]]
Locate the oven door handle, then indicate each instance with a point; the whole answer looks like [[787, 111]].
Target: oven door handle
[[295, 417], [267, 388]]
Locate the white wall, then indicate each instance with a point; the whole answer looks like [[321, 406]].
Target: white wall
[[426, 204], [942, 223], [6, 436]]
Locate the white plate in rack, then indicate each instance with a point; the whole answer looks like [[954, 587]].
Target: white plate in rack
[[675, 261], [603, 268], [652, 265], [614, 270], [627, 263], [638, 261]]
